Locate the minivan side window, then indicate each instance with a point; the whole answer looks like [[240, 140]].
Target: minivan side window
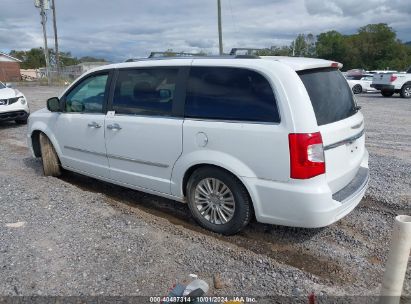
[[230, 94], [145, 91], [88, 96]]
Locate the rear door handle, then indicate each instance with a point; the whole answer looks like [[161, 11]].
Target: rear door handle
[[114, 127], [94, 125]]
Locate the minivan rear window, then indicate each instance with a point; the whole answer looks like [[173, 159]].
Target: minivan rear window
[[330, 94]]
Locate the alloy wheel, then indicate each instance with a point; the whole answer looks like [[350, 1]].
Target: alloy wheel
[[214, 201]]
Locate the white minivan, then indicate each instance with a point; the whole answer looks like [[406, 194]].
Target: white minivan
[[278, 138]]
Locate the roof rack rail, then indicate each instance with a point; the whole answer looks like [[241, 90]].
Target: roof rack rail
[[247, 57], [183, 55], [244, 51], [175, 54], [132, 60]]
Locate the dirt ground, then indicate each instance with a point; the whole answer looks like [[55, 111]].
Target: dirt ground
[[74, 236]]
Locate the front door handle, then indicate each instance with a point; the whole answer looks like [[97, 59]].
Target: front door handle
[[114, 127], [94, 125]]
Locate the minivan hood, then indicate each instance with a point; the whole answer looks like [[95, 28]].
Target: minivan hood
[[8, 93]]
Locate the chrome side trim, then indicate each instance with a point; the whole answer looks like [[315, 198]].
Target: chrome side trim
[[148, 163], [344, 141], [234, 121], [138, 161], [85, 151]]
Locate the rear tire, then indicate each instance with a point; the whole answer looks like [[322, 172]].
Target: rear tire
[[218, 201], [357, 89], [406, 91], [51, 163], [387, 93]]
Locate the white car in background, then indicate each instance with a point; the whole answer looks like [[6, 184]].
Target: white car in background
[[360, 83], [13, 105]]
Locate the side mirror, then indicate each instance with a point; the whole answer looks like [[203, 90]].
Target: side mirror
[[165, 94], [9, 85], [53, 104]]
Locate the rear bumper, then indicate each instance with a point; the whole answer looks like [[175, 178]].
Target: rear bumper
[[308, 204], [14, 115], [352, 190], [383, 87]]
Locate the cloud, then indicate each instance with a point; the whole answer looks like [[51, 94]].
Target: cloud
[[121, 29]]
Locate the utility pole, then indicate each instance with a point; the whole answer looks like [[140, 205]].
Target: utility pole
[[220, 30], [41, 4], [56, 43]]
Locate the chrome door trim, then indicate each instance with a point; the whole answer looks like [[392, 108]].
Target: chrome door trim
[[344, 141], [84, 151], [148, 163], [143, 162]]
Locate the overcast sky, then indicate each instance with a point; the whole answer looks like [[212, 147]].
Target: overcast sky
[[120, 29]]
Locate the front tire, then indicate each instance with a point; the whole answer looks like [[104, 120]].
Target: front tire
[[218, 201], [406, 91], [51, 163], [357, 89], [387, 93]]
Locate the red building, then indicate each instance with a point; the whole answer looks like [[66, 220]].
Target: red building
[[9, 68]]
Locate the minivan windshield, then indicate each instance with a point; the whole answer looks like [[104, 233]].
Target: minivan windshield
[[330, 94]]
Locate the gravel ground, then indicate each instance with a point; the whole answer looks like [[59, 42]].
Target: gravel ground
[[76, 236]]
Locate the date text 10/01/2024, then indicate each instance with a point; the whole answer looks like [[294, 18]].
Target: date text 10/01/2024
[[210, 300]]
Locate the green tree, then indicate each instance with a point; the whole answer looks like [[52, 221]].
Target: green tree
[[91, 59], [304, 46], [377, 45], [374, 46], [31, 59], [310, 45], [275, 51], [332, 46], [34, 58], [66, 59]]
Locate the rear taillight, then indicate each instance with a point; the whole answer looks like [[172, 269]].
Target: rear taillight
[[393, 78], [306, 155]]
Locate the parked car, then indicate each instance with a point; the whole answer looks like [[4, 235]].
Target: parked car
[[390, 83], [280, 138], [13, 105], [360, 83]]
